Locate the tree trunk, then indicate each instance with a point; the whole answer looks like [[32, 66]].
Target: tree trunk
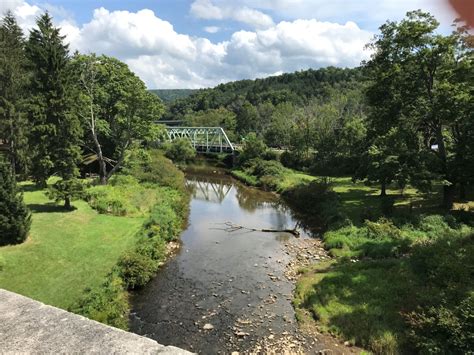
[[100, 156], [383, 191], [67, 202], [449, 192]]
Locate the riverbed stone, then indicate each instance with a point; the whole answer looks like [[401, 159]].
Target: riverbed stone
[[28, 326]]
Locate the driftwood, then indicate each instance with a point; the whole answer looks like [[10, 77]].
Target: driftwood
[[231, 227]]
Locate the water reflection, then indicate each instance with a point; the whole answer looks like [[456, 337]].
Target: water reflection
[[218, 188]]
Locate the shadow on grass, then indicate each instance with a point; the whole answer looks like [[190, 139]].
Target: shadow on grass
[[361, 302], [30, 187], [49, 208]]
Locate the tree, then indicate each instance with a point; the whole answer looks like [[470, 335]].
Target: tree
[[412, 72], [254, 147], [116, 108], [67, 191], [220, 117], [15, 218], [247, 118], [13, 83], [180, 150], [279, 129], [55, 130]]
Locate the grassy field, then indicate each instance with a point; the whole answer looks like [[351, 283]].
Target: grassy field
[[66, 251]]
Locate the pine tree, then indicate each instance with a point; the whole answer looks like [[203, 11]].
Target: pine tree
[[15, 218], [13, 84], [56, 131]]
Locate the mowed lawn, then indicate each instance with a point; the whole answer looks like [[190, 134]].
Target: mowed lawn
[[65, 252]]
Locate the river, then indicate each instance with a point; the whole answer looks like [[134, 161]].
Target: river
[[225, 290]]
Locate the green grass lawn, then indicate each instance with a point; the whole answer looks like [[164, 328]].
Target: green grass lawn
[[66, 251]]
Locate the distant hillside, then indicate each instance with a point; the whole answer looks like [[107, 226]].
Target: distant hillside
[[297, 88], [171, 95]]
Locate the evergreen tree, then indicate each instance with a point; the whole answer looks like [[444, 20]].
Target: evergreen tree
[[15, 218], [13, 83], [56, 132]]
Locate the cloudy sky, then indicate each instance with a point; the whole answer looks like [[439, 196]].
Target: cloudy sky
[[201, 43]]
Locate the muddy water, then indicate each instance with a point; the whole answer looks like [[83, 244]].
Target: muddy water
[[231, 282]]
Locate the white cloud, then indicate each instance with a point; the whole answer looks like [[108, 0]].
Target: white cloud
[[206, 9], [164, 58], [212, 29], [369, 13], [6, 5]]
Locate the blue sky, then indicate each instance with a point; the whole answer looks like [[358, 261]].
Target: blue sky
[[201, 43]]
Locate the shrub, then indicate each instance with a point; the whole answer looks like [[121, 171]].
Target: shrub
[[15, 218], [179, 150], [159, 170], [136, 269], [106, 304], [123, 197], [382, 229], [123, 180], [259, 167]]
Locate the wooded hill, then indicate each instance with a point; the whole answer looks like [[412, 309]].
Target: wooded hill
[[170, 95], [297, 88]]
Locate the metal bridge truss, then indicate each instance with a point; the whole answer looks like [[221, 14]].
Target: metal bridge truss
[[203, 139]]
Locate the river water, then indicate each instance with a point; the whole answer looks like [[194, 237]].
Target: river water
[[230, 281]]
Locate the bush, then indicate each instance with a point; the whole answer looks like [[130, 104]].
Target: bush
[[123, 199], [158, 170], [136, 269], [15, 218], [179, 150], [259, 168], [106, 304]]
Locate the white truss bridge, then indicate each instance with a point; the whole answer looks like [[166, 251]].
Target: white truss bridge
[[203, 139]]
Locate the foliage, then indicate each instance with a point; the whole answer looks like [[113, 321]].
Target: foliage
[[116, 107], [153, 167], [220, 117], [136, 269], [179, 150], [67, 191], [253, 147], [171, 95], [15, 218], [318, 197], [124, 196], [417, 95], [106, 304]]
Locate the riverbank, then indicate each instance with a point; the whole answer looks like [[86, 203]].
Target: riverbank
[[86, 260], [387, 279]]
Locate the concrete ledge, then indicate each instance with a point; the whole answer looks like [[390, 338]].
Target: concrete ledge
[[29, 326]]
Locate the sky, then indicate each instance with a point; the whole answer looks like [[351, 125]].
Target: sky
[[176, 44]]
